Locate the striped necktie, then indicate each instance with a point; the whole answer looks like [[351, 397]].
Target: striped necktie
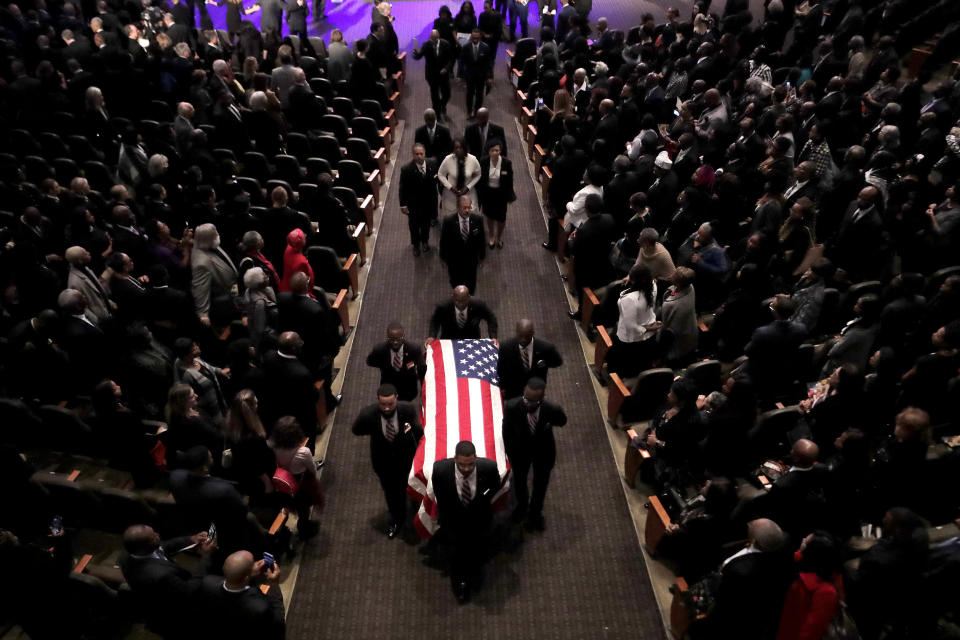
[[397, 360], [390, 429], [532, 418], [466, 495], [525, 356], [464, 228]]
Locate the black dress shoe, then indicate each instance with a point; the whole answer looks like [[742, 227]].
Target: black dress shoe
[[573, 315], [416, 250], [307, 529], [546, 245], [461, 591], [393, 530], [434, 222], [535, 523], [426, 248]]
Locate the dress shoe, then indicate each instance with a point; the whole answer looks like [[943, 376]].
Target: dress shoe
[[426, 247], [461, 591], [337, 399], [307, 529], [499, 244], [434, 222], [535, 523], [393, 530], [574, 315], [320, 463], [546, 245], [492, 245], [416, 251]]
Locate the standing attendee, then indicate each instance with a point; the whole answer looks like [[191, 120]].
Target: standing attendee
[[400, 362], [679, 314], [202, 376], [476, 62], [490, 23], [459, 174], [528, 424], [496, 191], [479, 134], [633, 340], [290, 388], [289, 444], [418, 197], [460, 318], [440, 58], [297, 12], [590, 247], [214, 278], [434, 137], [272, 13], [294, 261], [464, 487], [522, 358], [394, 430], [462, 246], [339, 58]]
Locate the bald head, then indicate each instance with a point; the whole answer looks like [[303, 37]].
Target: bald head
[[712, 97], [237, 569], [71, 302], [461, 297], [140, 540], [77, 256], [483, 116], [290, 343], [606, 106], [805, 453], [867, 196], [299, 283], [524, 331], [765, 535]]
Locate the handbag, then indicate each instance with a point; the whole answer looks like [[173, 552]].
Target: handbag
[[842, 627], [285, 482]]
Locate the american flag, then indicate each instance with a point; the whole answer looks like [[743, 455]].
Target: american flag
[[461, 401]]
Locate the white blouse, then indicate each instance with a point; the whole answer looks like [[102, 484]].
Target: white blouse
[[635, 314], [494, 180]]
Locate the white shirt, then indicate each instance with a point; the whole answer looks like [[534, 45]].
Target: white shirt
[[471, 481], [635, 314], [796, 187], [461, 315], [743, 552], [576, 208], [494, 181]]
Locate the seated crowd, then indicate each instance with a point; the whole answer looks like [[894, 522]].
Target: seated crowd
[[182, 217], [762, 232]]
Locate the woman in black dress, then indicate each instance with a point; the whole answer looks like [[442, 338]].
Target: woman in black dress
[[495, 191], [297, 12]]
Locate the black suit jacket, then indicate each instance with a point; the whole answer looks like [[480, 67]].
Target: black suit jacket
[[524, 446], [248, 613], [411, 371], [475, 143], [290, 391], [511, 372], [392, 459], [749, 599], [314, 320], [609, 129], [858, 246], [440, 147], [161, 586], [418, 192], [591, 250], [505, 191], [453, 250], [479, 67], [206, 499], [470, 520], [439, 58], [443, 322]]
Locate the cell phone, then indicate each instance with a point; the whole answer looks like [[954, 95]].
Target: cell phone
[[539, 103], [56, 525], [268, 561], [211, 533], [788, 84], [676, 112]]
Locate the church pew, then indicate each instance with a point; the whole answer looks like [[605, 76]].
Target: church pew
[[588, 303], [632, 459], [353, 273], [617, 393], [359, 236], [658, 523], [546, 176], [539, 155], [680, 616], [322, 413], [342, 306], [367, 206]]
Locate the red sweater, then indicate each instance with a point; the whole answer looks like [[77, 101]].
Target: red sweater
[[810, 607]]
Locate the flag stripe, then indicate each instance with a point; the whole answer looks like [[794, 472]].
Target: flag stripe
[[486, 408], [464, 417]]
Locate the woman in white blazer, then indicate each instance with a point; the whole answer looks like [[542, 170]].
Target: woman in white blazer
[[459, 174]]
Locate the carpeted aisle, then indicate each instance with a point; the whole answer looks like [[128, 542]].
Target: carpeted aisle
[[584, 577]]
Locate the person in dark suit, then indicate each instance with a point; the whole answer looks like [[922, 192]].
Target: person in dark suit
[[522, 358], [204, 499], [567, 167], [663, 191], [440, 57], [127, 292], [753, 585], [460, 318], [491, 22], [480, 133], [394, 430], [310, 315], [858, 247], [418, 197], [590, 247], [477, 64], [462, 244], [528, 424], [290, 388], [158, 583], [297, 12], [400, 362], [773, 349], [434, 137], [464, 487], [236, 606], [795, 500], [82, 340], [495, 190], [608, 128]]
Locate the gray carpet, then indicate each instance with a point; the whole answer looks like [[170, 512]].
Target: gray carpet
[[584, 577]]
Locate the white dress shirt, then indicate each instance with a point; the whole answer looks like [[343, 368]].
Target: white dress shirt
[[635, 314], [471, 481], [494, 180], [576, 208]]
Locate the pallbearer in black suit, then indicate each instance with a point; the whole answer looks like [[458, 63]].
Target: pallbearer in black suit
[[462, 244], [495, 190], [400, 362], [522, 358], [460, 318], [528, 424], [440, 57], [435, 137], [464, 487], [418, 197], [394, 430], [480, 133]]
